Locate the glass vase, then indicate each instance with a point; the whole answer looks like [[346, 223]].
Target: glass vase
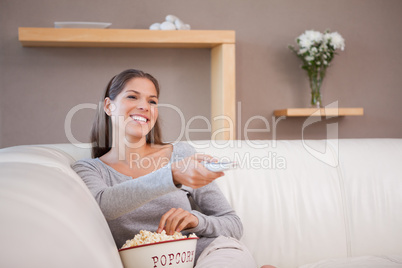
[[316, 99], [315, 86]]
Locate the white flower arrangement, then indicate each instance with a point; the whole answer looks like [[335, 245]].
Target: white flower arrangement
[[317, 50]]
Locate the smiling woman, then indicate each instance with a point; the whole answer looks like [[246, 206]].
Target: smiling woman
[[141, 183]]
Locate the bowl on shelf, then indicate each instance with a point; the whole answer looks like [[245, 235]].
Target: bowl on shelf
[[178, 253], [81, 24]]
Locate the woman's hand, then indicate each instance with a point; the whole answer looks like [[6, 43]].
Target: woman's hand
[[176, 220], [190, 172]]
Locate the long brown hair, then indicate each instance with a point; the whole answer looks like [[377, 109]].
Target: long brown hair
[[101, 133]]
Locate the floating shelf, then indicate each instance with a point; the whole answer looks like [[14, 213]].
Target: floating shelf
[[221, 43], [304, 112], [69, 37]]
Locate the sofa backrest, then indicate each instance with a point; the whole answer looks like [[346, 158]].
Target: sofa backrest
[[303, 201], [300, 201]]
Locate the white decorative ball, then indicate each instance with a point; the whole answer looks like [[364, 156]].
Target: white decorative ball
[[155, 26], [167, 25], [179, 24], [171, 18]]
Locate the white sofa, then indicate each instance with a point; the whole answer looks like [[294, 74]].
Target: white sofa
[[335, 203]]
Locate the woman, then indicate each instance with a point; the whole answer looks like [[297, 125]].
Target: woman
[[141, 183]]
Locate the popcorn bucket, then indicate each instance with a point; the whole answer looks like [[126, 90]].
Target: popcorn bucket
[[178, 253]]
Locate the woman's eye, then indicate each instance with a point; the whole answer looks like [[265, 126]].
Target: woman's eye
[[131, 97], [153, 102]]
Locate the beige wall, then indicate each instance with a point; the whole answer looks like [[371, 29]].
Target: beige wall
[[39, 86]]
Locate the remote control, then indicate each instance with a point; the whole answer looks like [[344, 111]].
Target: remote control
[[219, 166]]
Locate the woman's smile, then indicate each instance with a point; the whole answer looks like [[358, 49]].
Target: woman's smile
[[140, 118]]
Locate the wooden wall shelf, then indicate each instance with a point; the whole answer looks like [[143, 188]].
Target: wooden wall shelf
[[221, 43], [68, 37], [305, 112]]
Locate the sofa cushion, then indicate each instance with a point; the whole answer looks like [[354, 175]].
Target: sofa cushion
[[50, 220]]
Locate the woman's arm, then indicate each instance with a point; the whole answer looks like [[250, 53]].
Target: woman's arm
[[117, 198], [121, 198], [192, 173], [214, 214], [216, 218]]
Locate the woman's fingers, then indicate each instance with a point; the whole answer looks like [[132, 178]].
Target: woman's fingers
[[204, 157], [173, 221], [207, 173], [176, 220], [164, 217], [190, 221], [190, 172]]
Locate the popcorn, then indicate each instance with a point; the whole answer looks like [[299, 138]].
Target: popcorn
[[147, 237]]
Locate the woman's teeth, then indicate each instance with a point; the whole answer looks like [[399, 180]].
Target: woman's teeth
[[139, 118]]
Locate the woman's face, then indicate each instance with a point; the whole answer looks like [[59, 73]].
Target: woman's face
[[134, 111]]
